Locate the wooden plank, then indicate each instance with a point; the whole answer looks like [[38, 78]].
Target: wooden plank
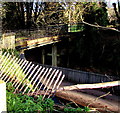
[[42, 40], [91, 86]]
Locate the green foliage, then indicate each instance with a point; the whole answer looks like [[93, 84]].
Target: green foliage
[[9, 87], [76, 28], [46, 104], [23, 103], [76, 110], [101, 17], [96, 13], [13, 52]]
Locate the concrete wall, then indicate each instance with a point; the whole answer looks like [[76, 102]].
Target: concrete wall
[[8, 41]]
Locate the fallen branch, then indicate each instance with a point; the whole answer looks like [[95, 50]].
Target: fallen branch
[[102, 27], [99, 98], [93, 101], [98, 26], [102, 105], [90, 86]]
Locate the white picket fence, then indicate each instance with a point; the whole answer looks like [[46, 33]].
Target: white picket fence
[[29, 78]]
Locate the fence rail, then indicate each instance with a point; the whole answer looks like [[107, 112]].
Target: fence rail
[[29, 78]]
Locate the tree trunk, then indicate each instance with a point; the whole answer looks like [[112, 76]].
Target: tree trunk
[[29, 8], [116, 12], [22, 15], [90, 101]]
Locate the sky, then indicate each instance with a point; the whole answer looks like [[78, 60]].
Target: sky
[[109, 2]]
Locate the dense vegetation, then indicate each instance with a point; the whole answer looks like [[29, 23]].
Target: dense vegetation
[[17, 103], [94, 48], [24, 103]]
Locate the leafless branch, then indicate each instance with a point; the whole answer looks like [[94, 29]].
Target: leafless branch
[[98, 26], [102, 27], [91, 86]]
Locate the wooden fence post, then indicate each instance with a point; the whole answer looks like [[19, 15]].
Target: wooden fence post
[[54, 55], [43, 55], [2, 96]]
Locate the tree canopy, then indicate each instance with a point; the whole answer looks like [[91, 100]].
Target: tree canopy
[[91, 47], [25, 15]]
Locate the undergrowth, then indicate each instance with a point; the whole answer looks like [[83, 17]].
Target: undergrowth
[[19, 103]]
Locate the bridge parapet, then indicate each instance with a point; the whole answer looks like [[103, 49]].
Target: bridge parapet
[[27, 39]]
